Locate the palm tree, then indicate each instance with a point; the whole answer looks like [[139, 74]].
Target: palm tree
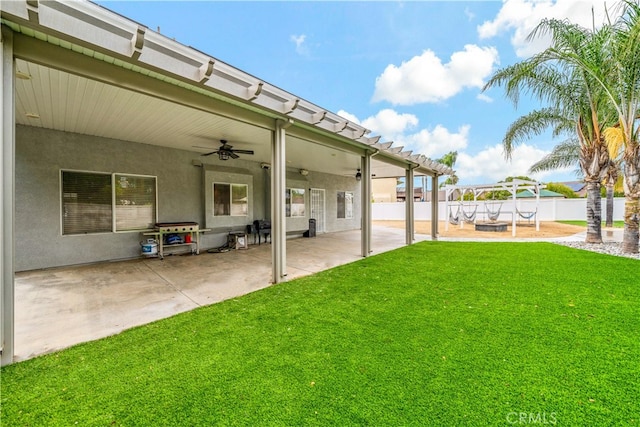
[[567, 154], [449, 159], [576, 107], [617, 71], [625, 94]]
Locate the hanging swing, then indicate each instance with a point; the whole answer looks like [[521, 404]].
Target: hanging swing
[[455, 220], [493, 214], [527, 215], [470, 217]]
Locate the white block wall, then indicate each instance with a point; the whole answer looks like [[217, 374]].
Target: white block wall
[[549, 209]]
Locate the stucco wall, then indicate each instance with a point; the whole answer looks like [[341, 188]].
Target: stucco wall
[[182, 190]]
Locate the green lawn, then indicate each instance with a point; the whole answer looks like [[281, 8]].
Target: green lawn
[[439, 333], [616, 224]]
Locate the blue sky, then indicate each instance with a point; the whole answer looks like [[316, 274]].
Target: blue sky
[[411, 71]]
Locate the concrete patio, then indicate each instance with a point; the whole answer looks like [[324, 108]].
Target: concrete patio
[[60, 307]]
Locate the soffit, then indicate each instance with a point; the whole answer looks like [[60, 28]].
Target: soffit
[[67, 101], [62, 101]]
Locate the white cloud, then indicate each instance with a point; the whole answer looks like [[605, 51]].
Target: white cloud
[[400, 128], [486, 166], [470, 15], [484, 97], [390, 124], [425, 78], [348, 116], [299, 41], [521, 16], [491, 165], [438, 141]]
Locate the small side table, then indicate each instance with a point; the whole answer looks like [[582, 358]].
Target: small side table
[[238, 240]]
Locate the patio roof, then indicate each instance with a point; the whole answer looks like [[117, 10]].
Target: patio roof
[[125, 63], [77, 67]]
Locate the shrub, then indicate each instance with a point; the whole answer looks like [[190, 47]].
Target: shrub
[[562, 189]]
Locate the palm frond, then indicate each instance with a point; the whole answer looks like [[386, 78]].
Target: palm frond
[[534, 123], [614, 138], [563, 155]]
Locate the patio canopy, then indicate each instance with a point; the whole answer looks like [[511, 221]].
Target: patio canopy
[[78, 67]]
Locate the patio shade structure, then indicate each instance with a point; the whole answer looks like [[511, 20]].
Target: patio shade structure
[[102, 74]]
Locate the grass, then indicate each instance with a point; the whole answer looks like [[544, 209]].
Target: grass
[[439, 333], [616, 224]]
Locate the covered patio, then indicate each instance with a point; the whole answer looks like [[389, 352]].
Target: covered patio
[[64, 306], [97, 106]]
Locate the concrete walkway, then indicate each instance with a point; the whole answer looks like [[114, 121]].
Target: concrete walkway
[[59, 307]]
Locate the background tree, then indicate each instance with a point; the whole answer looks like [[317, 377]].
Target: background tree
[[449, 159], [565, 190]]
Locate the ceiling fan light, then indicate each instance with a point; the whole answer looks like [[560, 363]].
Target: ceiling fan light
[[223, 155]]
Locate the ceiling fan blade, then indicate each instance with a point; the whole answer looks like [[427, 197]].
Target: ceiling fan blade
[[233, 155], [208, 154], [243, 151]]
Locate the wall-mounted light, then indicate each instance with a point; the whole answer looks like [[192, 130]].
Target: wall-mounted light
[[22, 75], [358, 175], [304, 172]]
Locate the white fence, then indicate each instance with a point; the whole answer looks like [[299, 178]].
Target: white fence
[[548, 210]]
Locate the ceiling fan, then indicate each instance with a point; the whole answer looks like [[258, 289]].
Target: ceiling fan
[[226, 151]]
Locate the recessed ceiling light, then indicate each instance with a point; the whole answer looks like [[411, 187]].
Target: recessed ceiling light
[[32, 115]]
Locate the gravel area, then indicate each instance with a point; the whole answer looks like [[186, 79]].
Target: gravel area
[[609, 248]]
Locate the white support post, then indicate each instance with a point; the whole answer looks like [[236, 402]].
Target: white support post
[[278, 189], [7, 195], [365, 191], [434, 208], [515, 210], [408, 200], [537, 214], [447, 208]]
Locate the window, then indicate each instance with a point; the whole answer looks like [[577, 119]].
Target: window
[[86, 203], [230, 199], [345, 204], [90, 203], [135, 202], [294, 200]]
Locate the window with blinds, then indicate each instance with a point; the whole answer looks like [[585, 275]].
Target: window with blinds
[[135, 202], [345, 204], [86, 203], [91, 201]]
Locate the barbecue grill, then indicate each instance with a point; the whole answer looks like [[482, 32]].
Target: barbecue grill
[[177, 234]]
